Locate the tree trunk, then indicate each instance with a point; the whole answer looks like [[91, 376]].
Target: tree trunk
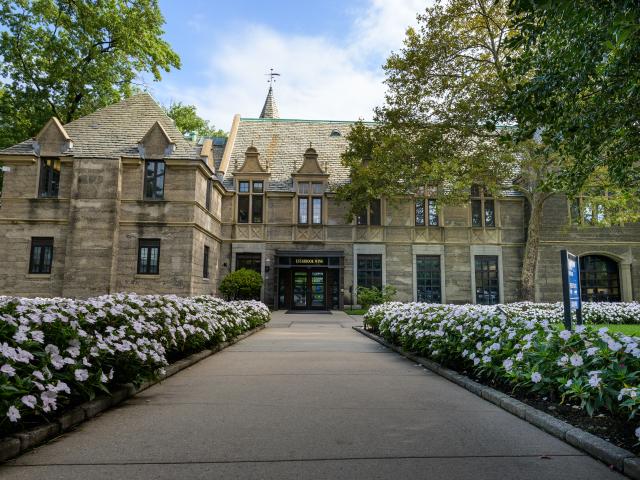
[[532, 247]]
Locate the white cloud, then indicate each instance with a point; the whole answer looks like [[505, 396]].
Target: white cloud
[[321, 78]]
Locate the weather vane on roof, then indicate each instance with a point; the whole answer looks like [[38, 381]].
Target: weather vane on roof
[[272, 74]]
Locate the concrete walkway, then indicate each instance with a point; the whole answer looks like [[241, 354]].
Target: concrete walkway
[[306, 398]]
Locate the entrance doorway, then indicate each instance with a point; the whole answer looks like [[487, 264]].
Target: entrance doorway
[[309, 289]]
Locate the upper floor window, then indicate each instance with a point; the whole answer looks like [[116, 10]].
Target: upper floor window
[[587, 210], [208, 194], [49, 177], [41, 255], [310, 203], [372, 215], [149, 256], [205, 262], [154, 180], [427, 212], [483, 213], [250, 201]]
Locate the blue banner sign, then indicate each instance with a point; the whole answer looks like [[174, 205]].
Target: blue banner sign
[[571, 287]]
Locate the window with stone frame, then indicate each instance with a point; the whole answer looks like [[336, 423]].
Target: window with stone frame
[[483, 207], [41, 257], [148, 256], [369, 271], [154, 180], [49, 178], [372, 214], [250, 261], [426, 212], [208, 194], [250, 201], [588, 209], [428, 279], [310, 195], [487, 279], [205, 262]]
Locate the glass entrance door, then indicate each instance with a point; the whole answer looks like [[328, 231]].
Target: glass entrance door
[[300, 290], [309, 289]]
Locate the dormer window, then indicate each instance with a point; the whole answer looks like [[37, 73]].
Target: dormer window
[[49, 178], [250, 201], [310, 203], [154, 180]]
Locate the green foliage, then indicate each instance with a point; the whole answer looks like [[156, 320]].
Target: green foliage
[[375, 296], [188, 121], [243, 284], [67, 59], [578, 74]]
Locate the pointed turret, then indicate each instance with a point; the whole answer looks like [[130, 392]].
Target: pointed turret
[[270, 109]]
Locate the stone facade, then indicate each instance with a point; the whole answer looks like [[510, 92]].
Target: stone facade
[[101, 213]]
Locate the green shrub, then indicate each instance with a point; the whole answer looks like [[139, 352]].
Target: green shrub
[[375, 296], [243, 284]]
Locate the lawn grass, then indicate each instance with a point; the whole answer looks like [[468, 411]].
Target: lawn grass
[[627, 329], [356, 311]]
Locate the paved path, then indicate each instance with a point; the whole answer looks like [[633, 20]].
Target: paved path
[[306, 398]]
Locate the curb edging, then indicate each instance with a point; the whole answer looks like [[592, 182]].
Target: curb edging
[[18, 443], [620, 459]]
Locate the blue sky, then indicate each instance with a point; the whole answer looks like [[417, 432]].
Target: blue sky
[[329, 53]]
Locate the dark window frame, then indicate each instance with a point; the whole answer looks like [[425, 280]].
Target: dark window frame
[[249, 260], [151, 179], [601, 275], [487, 281], [208, 195], [147, 267], [372, 215], [428, 279], [254, 199], [309, 195], [205, 262], [483, 208], [44, 262], [49, 181], [369, 270], [426, 212]]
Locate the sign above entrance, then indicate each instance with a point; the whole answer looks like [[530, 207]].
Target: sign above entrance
[[309, 260]]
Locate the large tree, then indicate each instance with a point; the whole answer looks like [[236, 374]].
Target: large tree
[[446, 88], [188, 121], [580, 65], [67, 58]]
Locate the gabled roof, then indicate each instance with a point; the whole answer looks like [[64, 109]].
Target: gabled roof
[[115, 131], [282, 144]]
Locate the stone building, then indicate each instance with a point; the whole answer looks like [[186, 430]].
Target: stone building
[[120, 201]]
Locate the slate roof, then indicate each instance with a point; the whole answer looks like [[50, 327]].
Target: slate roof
[[115, 131], [282, 143]]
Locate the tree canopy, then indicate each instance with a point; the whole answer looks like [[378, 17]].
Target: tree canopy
[[67, 59], [578, 84], [188, 121]]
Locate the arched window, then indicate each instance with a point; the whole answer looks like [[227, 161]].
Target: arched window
[[599, 279]]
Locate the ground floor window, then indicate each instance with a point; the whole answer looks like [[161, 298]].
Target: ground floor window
[[41, 255], [205, 263], [487, 282], [599, 279], [428, 286], [250, 261], [369, 269], [149, 256]]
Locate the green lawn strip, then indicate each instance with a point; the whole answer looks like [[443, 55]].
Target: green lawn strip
[[627, 329], [357, 311]]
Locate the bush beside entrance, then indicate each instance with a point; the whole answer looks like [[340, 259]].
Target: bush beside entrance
[[243, 284]]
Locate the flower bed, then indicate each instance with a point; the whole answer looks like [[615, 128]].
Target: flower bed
[[57, 351], [592, 312], [593, 369]]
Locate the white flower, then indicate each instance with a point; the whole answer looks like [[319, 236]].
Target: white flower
[[638, 433], [562, 361], [594, 378], [37, 336], [81, 374], [614, 346], [13, 414], [62, 387], [565, 335], [50, 349], [591, 351], [507, 364], [103, 378], [569, 383], [536, 377], [576, 360], [48, 398], [8, 370], [29, 400], [38, 374]]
